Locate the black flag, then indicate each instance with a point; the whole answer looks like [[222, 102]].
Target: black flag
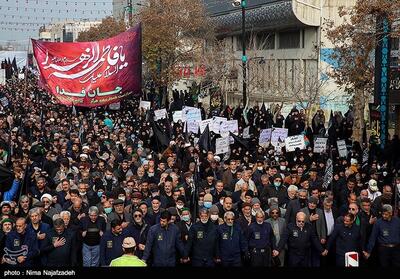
[[240, 141], [14, 65], [6, 179], [205, 140], [159, 135]]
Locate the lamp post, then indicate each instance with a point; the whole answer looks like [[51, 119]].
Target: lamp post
[[242, 3]]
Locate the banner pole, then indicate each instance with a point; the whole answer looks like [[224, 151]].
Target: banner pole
[[26, 68]]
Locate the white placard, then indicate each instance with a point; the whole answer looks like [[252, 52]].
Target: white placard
[[2, 76], [342, 148], [265, 136], [231, 140], [230, 126], [145, 104], [176, 116], [115, 106], [291, 143], [246, 133], [222, 145], [160, 114], [190, 114], [320, 145], [351, 259], [203, 124], [217, 123], [278, 133], [192, 126], [4, 101]]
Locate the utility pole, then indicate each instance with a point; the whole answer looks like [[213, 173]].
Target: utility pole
[[130, 10], [244, 57]]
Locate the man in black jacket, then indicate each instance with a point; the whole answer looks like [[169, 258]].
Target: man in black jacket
[[202, 245], [59, 246], [294, 206]]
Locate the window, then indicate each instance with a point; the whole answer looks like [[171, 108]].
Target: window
[[265, 40], [289, 39]]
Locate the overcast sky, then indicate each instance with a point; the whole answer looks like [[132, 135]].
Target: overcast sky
[[28, 15]]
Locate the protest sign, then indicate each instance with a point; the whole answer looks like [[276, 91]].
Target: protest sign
[[222, 145], [320, 145], [291, 143]]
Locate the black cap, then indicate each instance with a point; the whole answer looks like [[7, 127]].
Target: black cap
[[118, 201]]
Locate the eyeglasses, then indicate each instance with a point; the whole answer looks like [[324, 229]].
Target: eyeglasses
[[137, 215], [274, 213], [301, 222]]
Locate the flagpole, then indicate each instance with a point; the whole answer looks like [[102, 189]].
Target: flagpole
[[26, 68]]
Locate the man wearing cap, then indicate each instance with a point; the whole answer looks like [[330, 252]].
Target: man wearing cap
[[316, 218], [163, 241], [202, 243], [136, 199], [22, 244], [118, 213], [386, 235], [128, 259], [60, 246], [373, 191]]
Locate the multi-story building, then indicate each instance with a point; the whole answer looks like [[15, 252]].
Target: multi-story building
[[287, 49], [67, 31]]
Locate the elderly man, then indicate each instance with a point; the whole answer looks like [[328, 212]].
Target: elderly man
[[299, 237], [93, 228], [202, 244], [232, 242]]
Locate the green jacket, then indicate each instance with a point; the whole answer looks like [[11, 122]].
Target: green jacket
[[127, 260]]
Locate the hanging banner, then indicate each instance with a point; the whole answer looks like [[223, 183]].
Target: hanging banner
[[320, 145], [91, 74], [222, 145], [2, 76], [342, 148], [291, 143], [160, 114], [278, 134]]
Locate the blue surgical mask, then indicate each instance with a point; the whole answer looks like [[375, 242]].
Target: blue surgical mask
[[277, 184], [99, 194], [185, 218], [207, 204], [108, 210]]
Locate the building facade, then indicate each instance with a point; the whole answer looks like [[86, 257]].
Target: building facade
[[67, 31], [287, 50]]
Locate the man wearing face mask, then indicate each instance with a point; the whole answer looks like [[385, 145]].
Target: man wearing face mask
[[184, 224], [275, 190], [385, 198], [261, 241], [202, 244], [295, 205], [232, 242], [214, 218], [109, 181]]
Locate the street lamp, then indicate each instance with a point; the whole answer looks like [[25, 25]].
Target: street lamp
[[242, 3]]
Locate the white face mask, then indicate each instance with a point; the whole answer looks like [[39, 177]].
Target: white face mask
[[82, 193], [260, 168], [109, 177], [260, 223], [122, 198], [384, 173], [283, 167], [179, 206], [214, 217]]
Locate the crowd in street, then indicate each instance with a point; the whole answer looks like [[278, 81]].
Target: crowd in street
[[100, 187]]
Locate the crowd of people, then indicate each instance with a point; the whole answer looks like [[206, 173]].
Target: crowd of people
[[102, 188]]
